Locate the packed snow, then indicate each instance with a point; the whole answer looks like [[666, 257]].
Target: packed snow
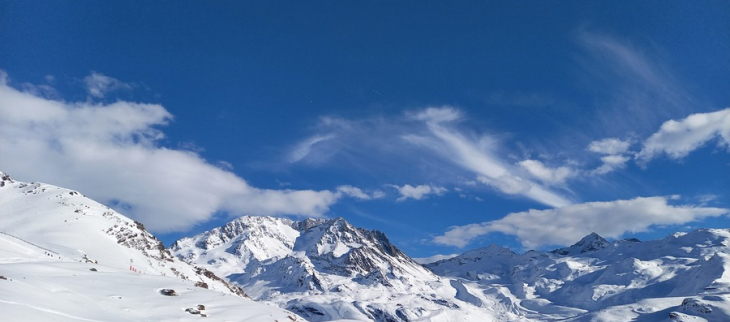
[[64, 257]]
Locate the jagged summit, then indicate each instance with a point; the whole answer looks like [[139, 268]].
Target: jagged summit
[[590, 243], [319, 267], [331, 245]]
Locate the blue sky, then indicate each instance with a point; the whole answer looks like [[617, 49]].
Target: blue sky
[[448, 126]]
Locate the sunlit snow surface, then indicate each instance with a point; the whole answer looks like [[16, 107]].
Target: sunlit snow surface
[[679, 278], [328, 269], [50, 240], [325, 270]]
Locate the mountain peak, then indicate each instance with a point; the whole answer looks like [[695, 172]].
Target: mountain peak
[[317, 257], [5, 178], [590, 238], [589, 243]]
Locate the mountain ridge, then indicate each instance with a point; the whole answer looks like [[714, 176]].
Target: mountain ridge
[[327, 269], [581, 282], [312, 260], [66, 257]]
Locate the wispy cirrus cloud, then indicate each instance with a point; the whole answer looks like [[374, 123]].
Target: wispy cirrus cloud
[[98, 84], [566, 225], [303, 148], [111, 152], [549, 176], [479, 156], [638, 87], [434, 141]]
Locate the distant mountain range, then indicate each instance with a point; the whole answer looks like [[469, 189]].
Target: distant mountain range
[[326, 270]]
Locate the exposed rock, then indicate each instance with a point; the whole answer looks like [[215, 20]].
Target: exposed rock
[[201, 284]]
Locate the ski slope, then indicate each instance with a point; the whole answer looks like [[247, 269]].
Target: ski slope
[[64, 257]]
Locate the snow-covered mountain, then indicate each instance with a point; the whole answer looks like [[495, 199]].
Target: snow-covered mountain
[[325, 270], [64, 257], [683, 277]]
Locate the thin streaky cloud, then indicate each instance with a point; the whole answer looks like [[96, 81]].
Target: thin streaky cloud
[[303, 149], [479, 157], [432, 138], [549, 176], [641, 91], [98, 84]]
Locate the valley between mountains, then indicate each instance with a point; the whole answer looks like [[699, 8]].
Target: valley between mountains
[[65, 257]]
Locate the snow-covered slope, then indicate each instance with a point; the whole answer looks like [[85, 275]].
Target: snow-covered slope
[[64, 257], [325, 270], [684, 275]]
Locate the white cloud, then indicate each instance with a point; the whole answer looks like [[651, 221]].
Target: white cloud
[[432, 144], [435, 115], [225, 165], [42, 90], [111, 153], [98, 85], [706, 199], [378, 194], [566, 225], [433, 259], [614, 151], [303, 148], [357, 193], [678, 138], [610, 146], [611, 163], [550, 176], [418, 192], [478, 156]]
